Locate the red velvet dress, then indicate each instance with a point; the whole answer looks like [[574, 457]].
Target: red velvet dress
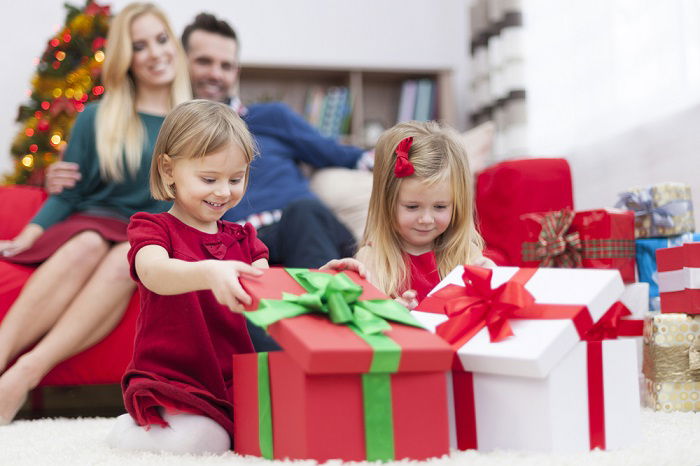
[[184, 343], [424, 273]]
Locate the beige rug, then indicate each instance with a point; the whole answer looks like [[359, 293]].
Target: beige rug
[[668, 439]]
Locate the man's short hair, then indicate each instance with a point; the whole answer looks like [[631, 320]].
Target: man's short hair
[[209, 23]]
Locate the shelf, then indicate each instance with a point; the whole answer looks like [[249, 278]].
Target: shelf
[[375, 92]]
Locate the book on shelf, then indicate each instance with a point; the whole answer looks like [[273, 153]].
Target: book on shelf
[[407, 100], [418, 100], [424, 100], [329, 110], [314, 105]]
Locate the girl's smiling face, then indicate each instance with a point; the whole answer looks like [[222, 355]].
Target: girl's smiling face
[[206, 187], [423, 212]]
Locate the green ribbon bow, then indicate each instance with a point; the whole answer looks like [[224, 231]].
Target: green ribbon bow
[[336, 296]]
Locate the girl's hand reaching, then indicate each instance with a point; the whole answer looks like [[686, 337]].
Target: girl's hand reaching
[[346, 264], [222, 278], [408, 299]]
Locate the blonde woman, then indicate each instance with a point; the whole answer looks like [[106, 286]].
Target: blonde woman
[[420, 223], [78, 239]]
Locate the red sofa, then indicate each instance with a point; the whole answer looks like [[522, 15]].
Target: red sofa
[[103, 363], [503, 192]]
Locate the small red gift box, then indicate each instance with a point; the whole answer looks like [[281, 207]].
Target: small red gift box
[[679, 278], [598, 239], [324, 396]]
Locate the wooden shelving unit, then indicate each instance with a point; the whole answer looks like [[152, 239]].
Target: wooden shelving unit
[[375, 92]]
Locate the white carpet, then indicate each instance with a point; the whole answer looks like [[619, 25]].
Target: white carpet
[[667, 439]]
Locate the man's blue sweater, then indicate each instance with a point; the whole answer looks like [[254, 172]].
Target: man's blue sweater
[[284, 138]]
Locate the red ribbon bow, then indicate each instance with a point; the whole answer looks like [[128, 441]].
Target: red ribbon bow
[[476, 305], [62, 105], [555, 247], [403, 166], [98, 43], [612, 325], [95, 9], [608, 326]]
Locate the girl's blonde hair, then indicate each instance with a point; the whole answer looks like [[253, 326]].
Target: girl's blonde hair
[[195, 129], [438, 156], [120, 133]]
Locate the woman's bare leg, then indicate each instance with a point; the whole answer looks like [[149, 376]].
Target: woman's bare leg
[[94, 312], [48, 293]]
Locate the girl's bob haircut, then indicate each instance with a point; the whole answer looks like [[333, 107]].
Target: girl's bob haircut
[[195, 129]]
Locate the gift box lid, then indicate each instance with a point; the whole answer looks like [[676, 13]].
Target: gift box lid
[[537, 345], [670, 259], [322, 347]]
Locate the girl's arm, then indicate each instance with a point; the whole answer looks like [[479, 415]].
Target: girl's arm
[[166, 276], [261, 264]]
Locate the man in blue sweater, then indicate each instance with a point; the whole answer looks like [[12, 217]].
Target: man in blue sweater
[[296, 226]]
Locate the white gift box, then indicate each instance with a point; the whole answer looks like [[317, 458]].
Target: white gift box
[[636, 299], [531, 390]]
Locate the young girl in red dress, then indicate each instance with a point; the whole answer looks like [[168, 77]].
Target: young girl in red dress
[[186, 261], [420, 223]]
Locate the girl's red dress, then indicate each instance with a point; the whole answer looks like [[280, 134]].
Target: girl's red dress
[[424, 274], [184, 343]]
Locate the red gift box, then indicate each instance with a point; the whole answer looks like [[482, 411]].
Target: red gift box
[[598, 239], [511, 188], [679, 278], [316, 407]]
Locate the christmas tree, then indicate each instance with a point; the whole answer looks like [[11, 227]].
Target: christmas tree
[[67, 77]]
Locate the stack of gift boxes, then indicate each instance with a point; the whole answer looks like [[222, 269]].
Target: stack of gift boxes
[[518, 358], [668, 258], [545, 356]]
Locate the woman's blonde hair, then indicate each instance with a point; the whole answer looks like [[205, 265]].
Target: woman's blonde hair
[[120, 133], [195, 129], [438, 156]]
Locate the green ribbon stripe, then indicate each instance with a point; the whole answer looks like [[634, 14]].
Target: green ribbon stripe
[[336, 297], [264, 407], [379, 418]]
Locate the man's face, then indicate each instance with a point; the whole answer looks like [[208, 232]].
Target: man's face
[[213, 66]]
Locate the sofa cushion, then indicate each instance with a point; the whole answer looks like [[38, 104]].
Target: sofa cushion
[[18, 204], [103, 363]]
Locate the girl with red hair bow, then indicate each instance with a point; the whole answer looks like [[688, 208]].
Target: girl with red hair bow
[[420, 222]]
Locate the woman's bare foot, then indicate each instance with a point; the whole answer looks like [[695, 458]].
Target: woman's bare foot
[[15, 384]]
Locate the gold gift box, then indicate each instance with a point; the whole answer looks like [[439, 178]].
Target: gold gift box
[[661, 195], [672, 362]]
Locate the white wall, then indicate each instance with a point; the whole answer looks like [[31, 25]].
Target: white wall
[[614, 86], [371, 33]]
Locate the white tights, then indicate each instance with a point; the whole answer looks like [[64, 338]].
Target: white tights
[[187, 433]]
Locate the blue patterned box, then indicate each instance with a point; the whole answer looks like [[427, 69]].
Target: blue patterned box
[[646, 261]]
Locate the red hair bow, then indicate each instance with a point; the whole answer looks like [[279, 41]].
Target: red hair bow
[[403, 166]]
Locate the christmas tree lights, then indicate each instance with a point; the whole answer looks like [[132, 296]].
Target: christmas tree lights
[[66, 79]]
